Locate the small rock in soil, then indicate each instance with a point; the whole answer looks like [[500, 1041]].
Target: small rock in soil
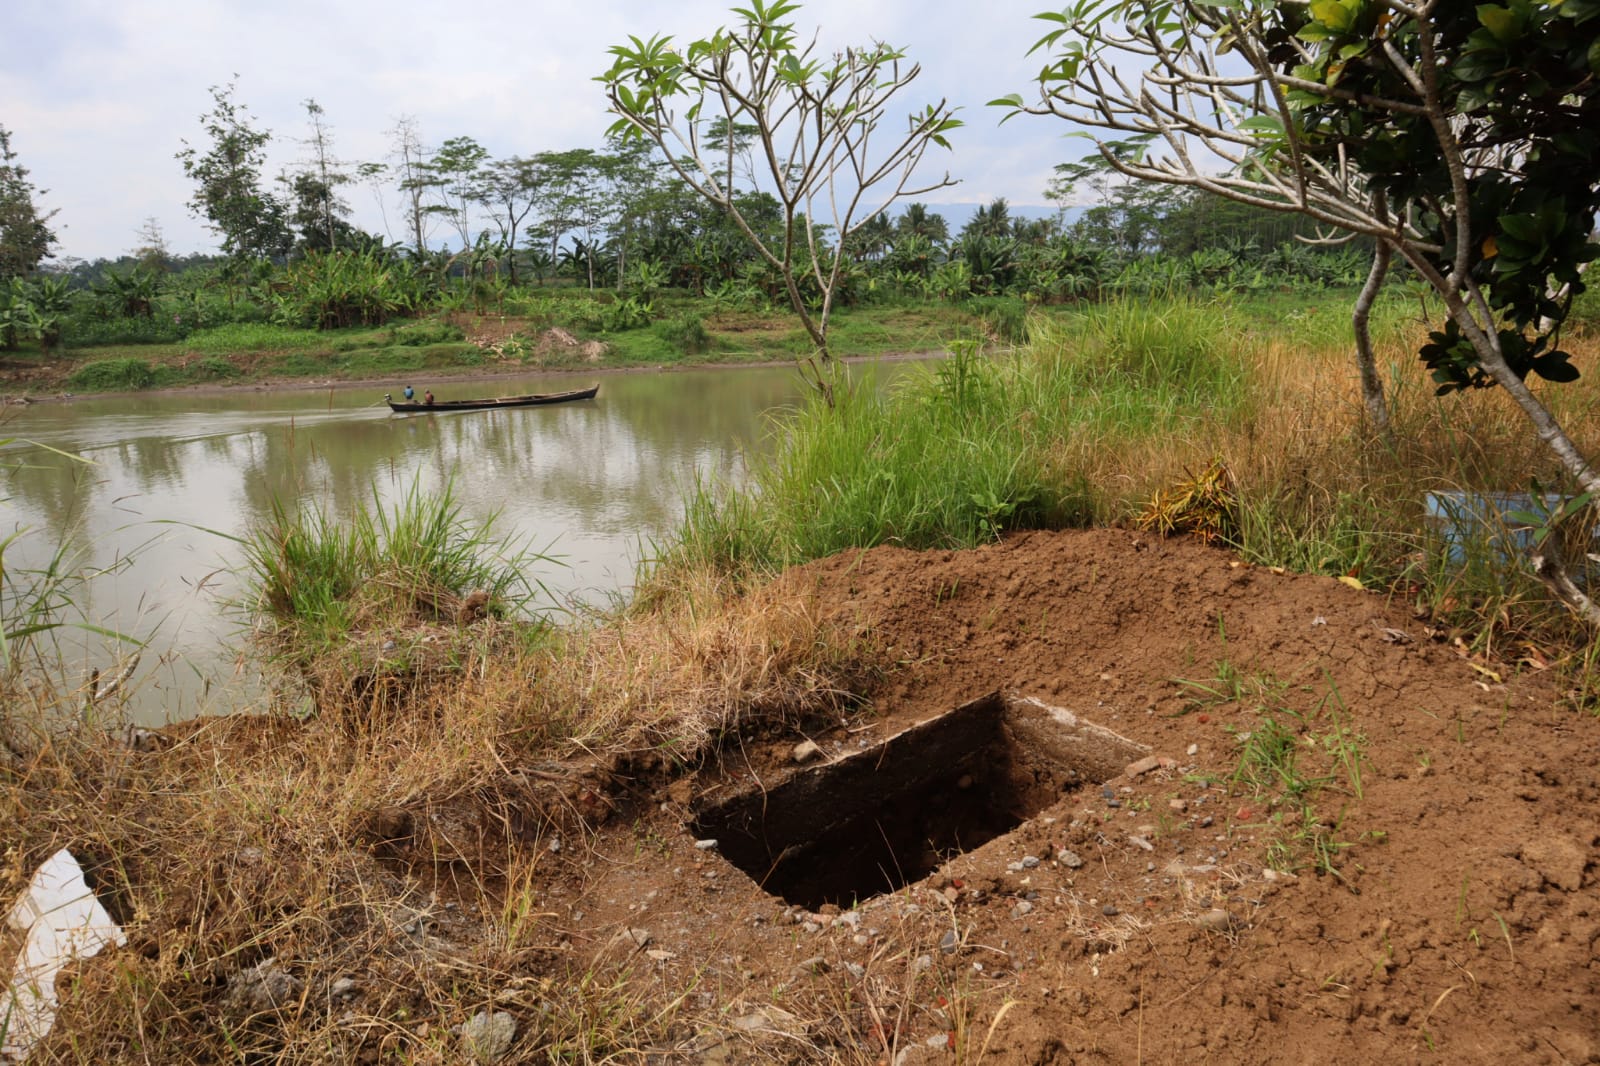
[[488, 1037], [1215, 919], [1141, 766], [1030, 861], [949, 942], [1110, 910], [263, 987], [705, 845], [1022, 909], [630, 939], [816, 964], [806, 750], [769, 1019], [1069, 859]]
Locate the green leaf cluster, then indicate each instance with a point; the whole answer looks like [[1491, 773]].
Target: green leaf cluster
[[1519, 83]]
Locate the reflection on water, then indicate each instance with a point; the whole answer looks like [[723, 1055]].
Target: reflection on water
[[172, 478]]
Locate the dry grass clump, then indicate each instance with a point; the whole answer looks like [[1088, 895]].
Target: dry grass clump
[[704, 661], [351, 886], [1313, 488]]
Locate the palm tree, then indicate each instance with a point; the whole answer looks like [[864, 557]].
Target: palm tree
[[991, 221], [919, 221], [873, 238]]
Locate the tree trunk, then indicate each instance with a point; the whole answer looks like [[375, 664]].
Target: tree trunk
[[1549, 561], [1371, 384]]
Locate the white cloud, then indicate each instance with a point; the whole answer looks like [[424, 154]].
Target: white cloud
[[99, 96]]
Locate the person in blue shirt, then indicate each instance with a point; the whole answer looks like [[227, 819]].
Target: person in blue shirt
[[410, 393]]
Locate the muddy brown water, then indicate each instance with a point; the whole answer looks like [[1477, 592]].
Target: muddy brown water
[[169, 480]]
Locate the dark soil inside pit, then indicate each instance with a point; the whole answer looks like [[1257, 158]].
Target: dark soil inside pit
[[1404, 871]]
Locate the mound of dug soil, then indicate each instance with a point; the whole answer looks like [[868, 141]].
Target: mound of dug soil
[[1190, 810]]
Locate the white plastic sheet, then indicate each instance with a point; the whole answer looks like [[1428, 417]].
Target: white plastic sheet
[[61, 921]]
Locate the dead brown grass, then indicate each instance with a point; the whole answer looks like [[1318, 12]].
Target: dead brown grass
[[352, 885]]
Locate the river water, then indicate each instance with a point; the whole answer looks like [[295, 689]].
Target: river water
[[169, 479]]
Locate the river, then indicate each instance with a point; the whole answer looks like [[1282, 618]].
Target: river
[[164, 481]]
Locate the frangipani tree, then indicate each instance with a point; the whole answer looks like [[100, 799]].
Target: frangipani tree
[[815, 126], [1462, 138]]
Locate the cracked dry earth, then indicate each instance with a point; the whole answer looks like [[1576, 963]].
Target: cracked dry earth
[[1102, 865]]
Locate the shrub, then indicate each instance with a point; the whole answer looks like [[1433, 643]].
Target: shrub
[[213, 366], [687, 334], [419, 334], [627, 313], [86, 332], [114, 375], [339, 289], [1006, 316], [251, 337]]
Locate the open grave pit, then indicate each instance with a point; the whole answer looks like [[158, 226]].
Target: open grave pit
[[876, 820]]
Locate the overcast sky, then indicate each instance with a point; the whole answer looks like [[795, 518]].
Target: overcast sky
[[100, 94]]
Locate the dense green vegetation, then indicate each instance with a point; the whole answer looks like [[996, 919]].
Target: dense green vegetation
[[1232, 418], [908, 286]]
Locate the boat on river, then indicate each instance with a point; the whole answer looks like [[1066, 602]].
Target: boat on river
[[536, 400]]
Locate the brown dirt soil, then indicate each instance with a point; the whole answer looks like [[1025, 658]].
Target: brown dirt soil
[[1140, 918], [1439, 907]]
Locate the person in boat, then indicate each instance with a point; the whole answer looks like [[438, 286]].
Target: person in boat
[[427, 397], [410, 394]]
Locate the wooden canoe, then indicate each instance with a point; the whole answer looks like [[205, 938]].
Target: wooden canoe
[[536, 400]]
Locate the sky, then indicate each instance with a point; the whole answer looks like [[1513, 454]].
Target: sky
[[99, 95]]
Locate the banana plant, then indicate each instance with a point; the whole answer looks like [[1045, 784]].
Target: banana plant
[[14, 309], [129, 295]]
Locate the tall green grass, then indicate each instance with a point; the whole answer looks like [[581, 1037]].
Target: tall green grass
[[965, 448], [321, 579], [116, 374], [1107, 405], [234, 337]]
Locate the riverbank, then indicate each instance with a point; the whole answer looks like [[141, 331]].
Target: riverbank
[[460, 346], [1246, 852], [456, 347], [457, 377], [1026, 795]]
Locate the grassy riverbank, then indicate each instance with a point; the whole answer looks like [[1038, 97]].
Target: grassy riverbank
[[564, 335], [573, 331], [1111, 415], [356, 885]]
